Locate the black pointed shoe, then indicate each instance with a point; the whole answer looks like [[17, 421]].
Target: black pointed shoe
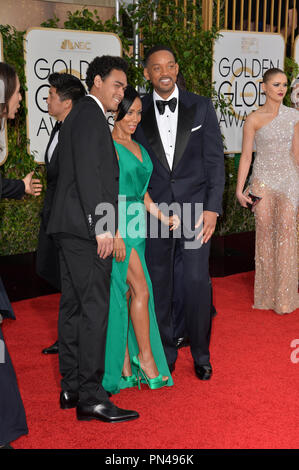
[[104, 411], [68, 400], [54, 349]]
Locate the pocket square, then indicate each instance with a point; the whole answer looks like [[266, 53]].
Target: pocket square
[[195, 128]]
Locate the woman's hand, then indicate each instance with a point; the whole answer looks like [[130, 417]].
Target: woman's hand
[[243, 198], [174, 222], [119, 248]]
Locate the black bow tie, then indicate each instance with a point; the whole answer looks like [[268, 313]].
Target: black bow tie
[[171, 103], [57, 126]]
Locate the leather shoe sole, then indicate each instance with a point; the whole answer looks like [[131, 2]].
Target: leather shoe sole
[[203, 372], [68, 400], [105, 411]]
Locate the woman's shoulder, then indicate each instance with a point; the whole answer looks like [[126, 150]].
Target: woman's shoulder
[[253, 119]]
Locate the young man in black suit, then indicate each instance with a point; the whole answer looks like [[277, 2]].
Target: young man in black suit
[[88, 176], [180, 131], [65, 91]]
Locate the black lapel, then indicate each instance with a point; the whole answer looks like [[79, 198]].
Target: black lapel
[[151, 131], [185, 122]]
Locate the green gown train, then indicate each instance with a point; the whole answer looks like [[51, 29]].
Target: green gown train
[[134, 176]]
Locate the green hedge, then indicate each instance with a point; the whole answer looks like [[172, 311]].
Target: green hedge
[[19, 220]]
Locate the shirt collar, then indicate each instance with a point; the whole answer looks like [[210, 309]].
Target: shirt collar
[[97, 101], [174, 94]]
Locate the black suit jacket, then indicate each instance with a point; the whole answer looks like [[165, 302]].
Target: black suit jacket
[[52, 177], [47, 258], [88, 172], [198, 168], [13, 189]]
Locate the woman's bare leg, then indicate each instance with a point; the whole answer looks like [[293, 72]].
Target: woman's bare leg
[[127, 370], [140, 315]]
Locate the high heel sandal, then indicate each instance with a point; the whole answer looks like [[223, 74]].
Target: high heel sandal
[[128, 381], [155, 383]]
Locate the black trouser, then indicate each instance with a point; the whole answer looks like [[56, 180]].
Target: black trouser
[[12, 414], [83, 318], [196, 295]]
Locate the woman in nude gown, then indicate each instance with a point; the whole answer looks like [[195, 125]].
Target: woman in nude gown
[[275, 179]]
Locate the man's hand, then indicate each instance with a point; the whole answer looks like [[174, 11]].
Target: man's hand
[[209, 220], [105, 244], [32, 186]]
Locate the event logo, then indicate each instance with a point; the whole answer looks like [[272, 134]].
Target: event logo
[[240, 61], [73, 46], [62, 51], [241, 87]]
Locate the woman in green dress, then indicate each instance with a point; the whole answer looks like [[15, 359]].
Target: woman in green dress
[[134, 350]]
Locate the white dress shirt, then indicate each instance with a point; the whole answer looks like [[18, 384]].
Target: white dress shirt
[[52, 146], [167, 125]]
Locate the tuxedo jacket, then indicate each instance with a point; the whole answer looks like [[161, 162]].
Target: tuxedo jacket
[[88, 172], [47, 258], [52, 177], [198, 173]]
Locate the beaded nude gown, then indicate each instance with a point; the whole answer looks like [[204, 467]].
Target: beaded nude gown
[[275, 178]]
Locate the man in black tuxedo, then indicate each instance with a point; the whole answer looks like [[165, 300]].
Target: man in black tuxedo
[[184, 142], [87, 180], [65, 91]]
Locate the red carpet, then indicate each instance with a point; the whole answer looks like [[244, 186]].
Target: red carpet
[[251, 401]]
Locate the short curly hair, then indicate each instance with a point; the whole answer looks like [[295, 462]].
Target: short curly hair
[[103, 66]]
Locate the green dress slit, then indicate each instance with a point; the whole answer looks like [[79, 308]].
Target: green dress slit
[[134, 176]]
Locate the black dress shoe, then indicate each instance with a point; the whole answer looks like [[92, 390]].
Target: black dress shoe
[[51, 349], [182, 342], [104, 411], [6, 446], [68, 400], [203, 372], [171, 367]]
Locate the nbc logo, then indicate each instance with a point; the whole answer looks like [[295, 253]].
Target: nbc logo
[[75, 45]]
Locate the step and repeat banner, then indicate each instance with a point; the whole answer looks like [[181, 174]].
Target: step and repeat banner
[[57, 50], [3, 129], [240, 61]]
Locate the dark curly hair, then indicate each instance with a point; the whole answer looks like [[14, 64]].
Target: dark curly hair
[[103, 66], [129, 97], [68, 87]]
